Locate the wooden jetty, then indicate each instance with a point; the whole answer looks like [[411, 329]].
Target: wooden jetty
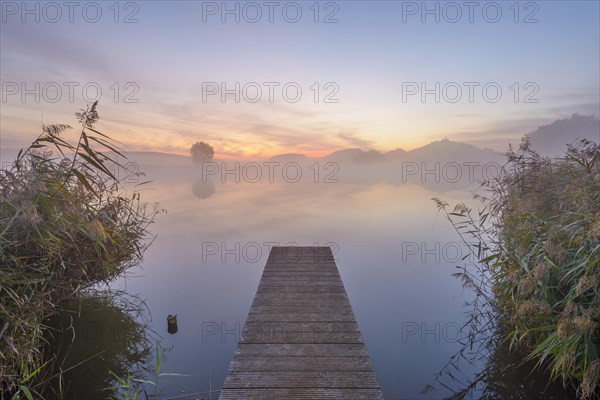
[[301, 339]]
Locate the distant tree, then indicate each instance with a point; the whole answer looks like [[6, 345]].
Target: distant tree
[[201, 151]]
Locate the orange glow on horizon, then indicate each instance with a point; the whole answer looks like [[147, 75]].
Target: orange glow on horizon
[[254, 152]]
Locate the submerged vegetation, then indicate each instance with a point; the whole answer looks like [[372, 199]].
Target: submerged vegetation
[[537, 279], [67, 224]]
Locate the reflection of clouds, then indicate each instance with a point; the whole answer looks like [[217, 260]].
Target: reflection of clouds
[[363, 191], [203, 190]]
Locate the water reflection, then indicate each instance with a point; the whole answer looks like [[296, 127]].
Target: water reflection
[[203, 190], [101, 334], [395, 254], [505, 377], [501, 372]]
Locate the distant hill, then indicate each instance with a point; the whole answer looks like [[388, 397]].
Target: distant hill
[[551, 140], [444, 150], [448, 150], [548, 140], [289, 157], [355, 155], [397, 154]]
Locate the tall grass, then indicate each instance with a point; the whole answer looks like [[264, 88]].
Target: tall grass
[[66, 224], [537, 282]]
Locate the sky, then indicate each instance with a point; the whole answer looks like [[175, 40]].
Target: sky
[[298, 77]]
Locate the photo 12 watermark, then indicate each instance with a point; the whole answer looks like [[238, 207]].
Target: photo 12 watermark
[[269, 171], [255, 252], [437, 252], [279, 332], [54, 92], [96, 332], [448, 172], [126, 173], [52, 12], [254, 92], [452, 12], [252, 12], [469, 92], [430, 332]]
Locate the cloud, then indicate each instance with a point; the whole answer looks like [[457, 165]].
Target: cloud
[[354, 141], [30, 53]]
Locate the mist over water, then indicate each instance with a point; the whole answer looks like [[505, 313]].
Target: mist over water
[[261, 124], [394, 253]]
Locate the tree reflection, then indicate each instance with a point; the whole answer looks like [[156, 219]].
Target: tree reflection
[[203, 190], [91, 337]]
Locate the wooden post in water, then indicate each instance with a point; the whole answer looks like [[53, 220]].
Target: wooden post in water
[[301, 339]]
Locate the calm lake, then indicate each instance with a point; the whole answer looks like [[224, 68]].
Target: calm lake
[[395, 254]]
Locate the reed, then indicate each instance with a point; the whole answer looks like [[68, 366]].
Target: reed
[[66, 224], [537, 280]]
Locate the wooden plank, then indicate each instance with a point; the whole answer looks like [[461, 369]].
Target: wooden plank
[[300, 289], [282, 363], [301, 339], [301, 394], [304, 332], [300, 350], [280, 328], [302, 379], [293, 335], [299, 298], [331, 317], [301, 309]]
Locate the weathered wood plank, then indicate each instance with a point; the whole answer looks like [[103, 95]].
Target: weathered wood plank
[[301, 350], [299, 336], [329, 317], [281, 363], [301, 394], [299, 298], [301, 339], [278, 328], [301, 379], [300, 289], [301, 309], [305, 332]]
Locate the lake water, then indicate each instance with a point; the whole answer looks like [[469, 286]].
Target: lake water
[[395, 254]]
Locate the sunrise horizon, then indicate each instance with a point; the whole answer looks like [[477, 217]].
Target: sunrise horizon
[[325, 200]]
